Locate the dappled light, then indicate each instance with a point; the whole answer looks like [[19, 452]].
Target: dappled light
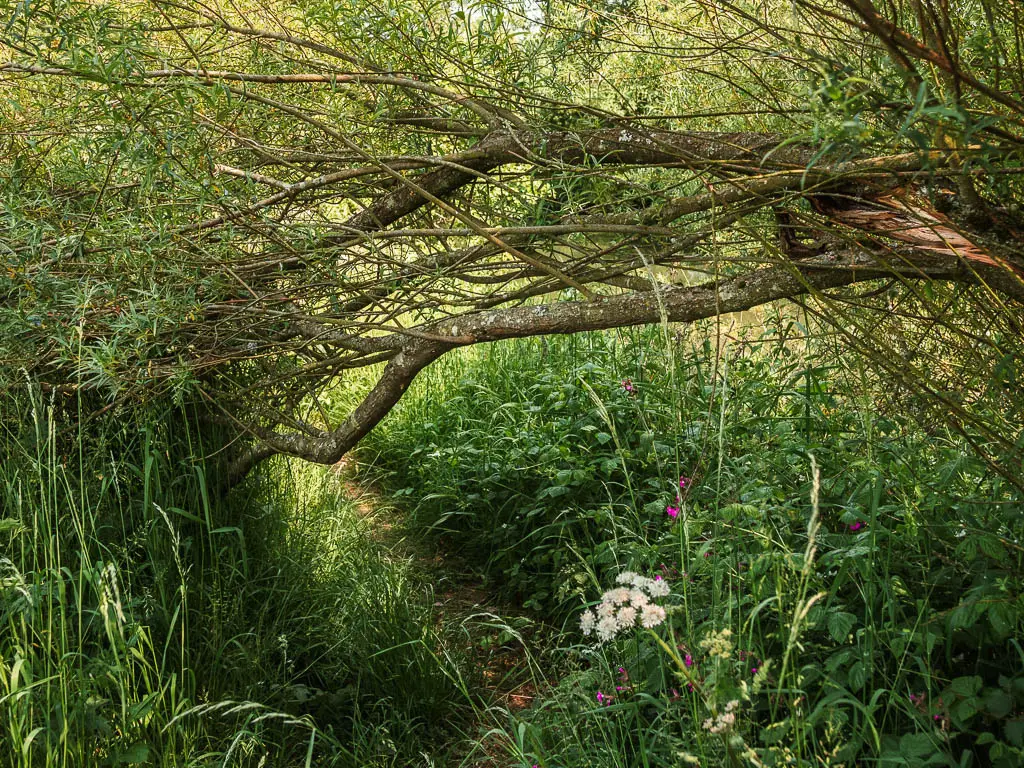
[[504, 383]]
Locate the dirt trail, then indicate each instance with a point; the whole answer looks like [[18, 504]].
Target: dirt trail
[[460, 599]]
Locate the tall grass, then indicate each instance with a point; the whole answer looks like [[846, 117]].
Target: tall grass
[[144, 619]]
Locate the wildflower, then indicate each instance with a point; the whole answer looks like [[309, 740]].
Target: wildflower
[[855, 526], [587, 621], [684, 483], [627, 615], [607, 628], [652, 587], [652, 616], [622, 606], [688, 661], [638, 597], [627, 385], [619, 595], [753, 670], [725, 720], [672, 512], [718, 643]]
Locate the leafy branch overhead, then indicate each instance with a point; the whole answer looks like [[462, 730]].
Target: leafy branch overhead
[[242, 205]]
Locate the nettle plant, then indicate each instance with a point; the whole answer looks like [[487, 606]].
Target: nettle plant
[[760, 656]]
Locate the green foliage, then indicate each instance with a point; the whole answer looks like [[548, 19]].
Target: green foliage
[[146, 620], [891, 633]]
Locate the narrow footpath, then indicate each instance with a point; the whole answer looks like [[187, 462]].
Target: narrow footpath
[[499, 637]]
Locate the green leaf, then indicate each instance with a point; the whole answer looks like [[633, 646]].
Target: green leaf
[[1002, 618], [992, 547], [966, 709], [1015, 732], [998, 703], [135, 754], [840, 623], [917, 745], [966, 685], [857, 676], [966, 615]]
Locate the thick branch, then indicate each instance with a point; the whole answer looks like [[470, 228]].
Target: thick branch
[[675, 304]]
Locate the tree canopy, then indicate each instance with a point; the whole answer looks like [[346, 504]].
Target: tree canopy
[[238, 203]]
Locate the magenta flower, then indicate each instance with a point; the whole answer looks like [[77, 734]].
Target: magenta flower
[[684, 482], [627, 385], [855, 526], [688, 661], [672, 512], [600, 698], [753, 670]]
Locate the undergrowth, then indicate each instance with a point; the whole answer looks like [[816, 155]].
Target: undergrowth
[[845, 576], [820, 576], [147, 620]]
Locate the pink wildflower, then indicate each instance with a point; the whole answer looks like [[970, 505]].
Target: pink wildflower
[[684, 482], [672, 512], [688, 661], [855, 526]]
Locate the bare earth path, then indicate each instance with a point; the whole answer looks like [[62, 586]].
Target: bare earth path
[[498, 636]]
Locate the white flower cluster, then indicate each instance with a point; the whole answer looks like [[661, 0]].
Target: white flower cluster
[[621, 607], [724, 721]]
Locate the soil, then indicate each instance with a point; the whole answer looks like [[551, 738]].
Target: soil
[[507, 680]]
